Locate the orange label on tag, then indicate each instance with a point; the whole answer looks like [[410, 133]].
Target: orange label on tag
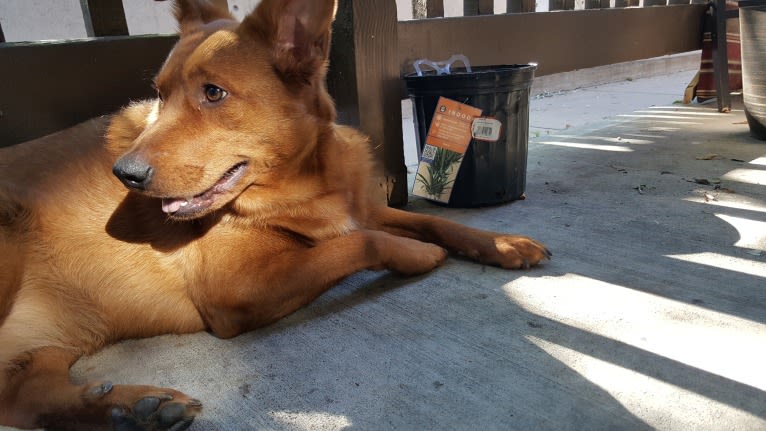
[[446, 143], [451, 125]]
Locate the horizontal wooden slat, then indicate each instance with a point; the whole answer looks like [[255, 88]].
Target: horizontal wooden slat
[[558, 42], [94, 77], [48, 86]]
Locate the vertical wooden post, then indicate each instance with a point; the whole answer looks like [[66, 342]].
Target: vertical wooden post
[[104, 18], [478, 7], [364, 80], [427, 9], [721, 57], [520, 6]]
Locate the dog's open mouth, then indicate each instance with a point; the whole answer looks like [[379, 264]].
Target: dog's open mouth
[[187, 208]]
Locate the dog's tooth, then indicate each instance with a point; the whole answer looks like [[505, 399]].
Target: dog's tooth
[[184, 203]]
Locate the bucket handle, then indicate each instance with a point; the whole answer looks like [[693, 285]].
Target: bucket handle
[[442, 67]]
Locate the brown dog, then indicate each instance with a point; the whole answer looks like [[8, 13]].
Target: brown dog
[[244, 202]]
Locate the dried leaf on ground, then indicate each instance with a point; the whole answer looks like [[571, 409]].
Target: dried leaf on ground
[[710, 156], [705, 181]]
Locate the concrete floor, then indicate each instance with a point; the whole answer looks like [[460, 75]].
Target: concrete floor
[[651, 315]]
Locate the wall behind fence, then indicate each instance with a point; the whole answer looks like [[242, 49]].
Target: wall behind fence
[[28, 20]]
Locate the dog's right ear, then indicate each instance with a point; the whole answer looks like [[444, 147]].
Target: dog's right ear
[[193, 13]]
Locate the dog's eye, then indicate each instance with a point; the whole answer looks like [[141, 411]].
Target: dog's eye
[[214, 94]]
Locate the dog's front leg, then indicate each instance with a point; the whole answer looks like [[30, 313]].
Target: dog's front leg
[[504, 250], [295, 277]]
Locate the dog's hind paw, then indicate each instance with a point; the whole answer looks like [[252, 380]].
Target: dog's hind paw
[[157, 412]]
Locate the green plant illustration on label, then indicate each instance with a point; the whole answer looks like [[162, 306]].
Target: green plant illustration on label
[[440, 174]]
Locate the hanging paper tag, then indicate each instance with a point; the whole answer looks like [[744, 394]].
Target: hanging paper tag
[[448, 138]]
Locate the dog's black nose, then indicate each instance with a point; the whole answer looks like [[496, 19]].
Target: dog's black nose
[[133, 172]]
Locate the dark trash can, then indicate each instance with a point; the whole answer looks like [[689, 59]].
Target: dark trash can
[[752, 22], [491, 172]]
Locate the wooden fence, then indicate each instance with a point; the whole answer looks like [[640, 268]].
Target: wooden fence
[[48, 86]]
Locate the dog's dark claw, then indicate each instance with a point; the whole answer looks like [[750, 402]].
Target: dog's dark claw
[[99, 391], [548, 253], [185, 423]]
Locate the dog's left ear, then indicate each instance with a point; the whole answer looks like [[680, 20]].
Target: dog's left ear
[[193, 13], [298, 32]]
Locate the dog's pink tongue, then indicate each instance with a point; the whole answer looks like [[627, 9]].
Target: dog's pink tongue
[[170, 206]]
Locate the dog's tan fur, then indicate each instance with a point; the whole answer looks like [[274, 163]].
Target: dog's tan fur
[[87, 262]]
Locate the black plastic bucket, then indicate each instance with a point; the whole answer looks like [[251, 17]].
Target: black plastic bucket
[[491, 172], [752, 22]]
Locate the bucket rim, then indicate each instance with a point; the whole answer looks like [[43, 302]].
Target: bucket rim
[[478, 70]]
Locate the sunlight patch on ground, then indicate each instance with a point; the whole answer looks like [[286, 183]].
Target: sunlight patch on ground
[[729, 263], [752, 233], [748, 176], [759, 161], [662, 129], [644, 135], [617, 140], [582, 146], [701, 113], [664, 117], [721, 344], [695, 110], [312, 420], [644, 396]]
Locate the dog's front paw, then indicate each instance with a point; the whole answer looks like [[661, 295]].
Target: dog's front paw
[[512, 252], [156, 412], [138, 408]]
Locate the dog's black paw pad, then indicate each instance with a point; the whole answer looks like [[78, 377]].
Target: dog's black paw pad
[[171, 414], [146, 407], [122, 422]]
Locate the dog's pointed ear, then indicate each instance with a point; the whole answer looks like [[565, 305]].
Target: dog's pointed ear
[[298, 32], [193, 13]]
